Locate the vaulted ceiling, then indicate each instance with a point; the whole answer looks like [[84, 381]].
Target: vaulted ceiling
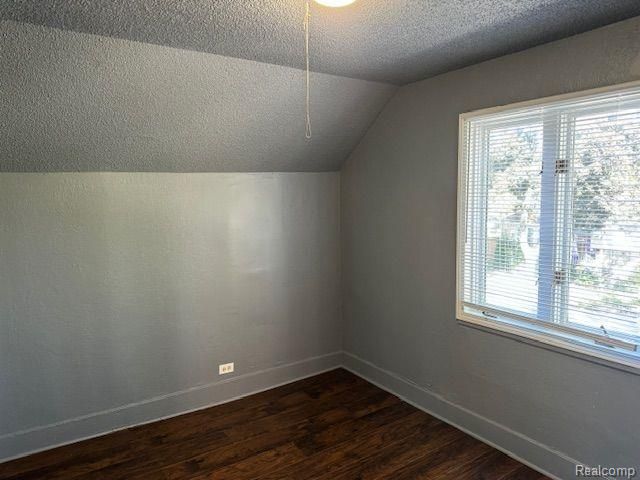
[[217, 85], [78, 102]]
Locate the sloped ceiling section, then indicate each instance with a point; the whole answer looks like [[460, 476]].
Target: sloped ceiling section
[[80, 102], [395, 41]]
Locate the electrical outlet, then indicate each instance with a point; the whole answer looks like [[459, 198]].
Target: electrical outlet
[[225, 368]]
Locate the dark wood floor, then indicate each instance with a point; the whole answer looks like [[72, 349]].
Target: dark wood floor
[[332, 426]]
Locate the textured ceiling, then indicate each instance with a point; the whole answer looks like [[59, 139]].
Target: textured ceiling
[[78, 102], [395, 41]]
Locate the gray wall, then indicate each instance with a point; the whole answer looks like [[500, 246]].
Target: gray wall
[[398, 249], [122, 289]]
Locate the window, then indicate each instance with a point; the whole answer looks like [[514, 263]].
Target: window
[[549, 221]]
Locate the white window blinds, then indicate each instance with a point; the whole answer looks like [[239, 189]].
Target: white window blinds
[[549, 221]]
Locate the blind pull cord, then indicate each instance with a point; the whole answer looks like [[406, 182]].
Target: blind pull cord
[[307, 19]]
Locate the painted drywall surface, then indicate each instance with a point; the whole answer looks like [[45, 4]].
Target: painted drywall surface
[[79, 102], [398, 257], [391, 41], [119, 287]]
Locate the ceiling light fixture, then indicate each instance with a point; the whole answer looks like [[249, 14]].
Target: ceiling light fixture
[[307, 20], [335, 3]]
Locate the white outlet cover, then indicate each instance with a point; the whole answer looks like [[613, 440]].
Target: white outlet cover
[[225, 368]]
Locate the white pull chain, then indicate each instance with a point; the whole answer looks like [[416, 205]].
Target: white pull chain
[[307, 18]]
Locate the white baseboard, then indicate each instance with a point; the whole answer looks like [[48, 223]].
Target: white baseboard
[[25, 442], [540, 457]]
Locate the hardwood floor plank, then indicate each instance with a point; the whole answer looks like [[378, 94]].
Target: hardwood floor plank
[[496, 466], [255, 444], [525, 473], [444, 461], [193, 433], [349, 453], [80, 453], [180, 463], [265, 462], [333, 426], [384, 463]]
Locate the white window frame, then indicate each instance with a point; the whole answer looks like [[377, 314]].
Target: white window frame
[[524, 327]]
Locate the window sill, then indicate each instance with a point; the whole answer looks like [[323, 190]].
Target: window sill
[[556, 344]]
